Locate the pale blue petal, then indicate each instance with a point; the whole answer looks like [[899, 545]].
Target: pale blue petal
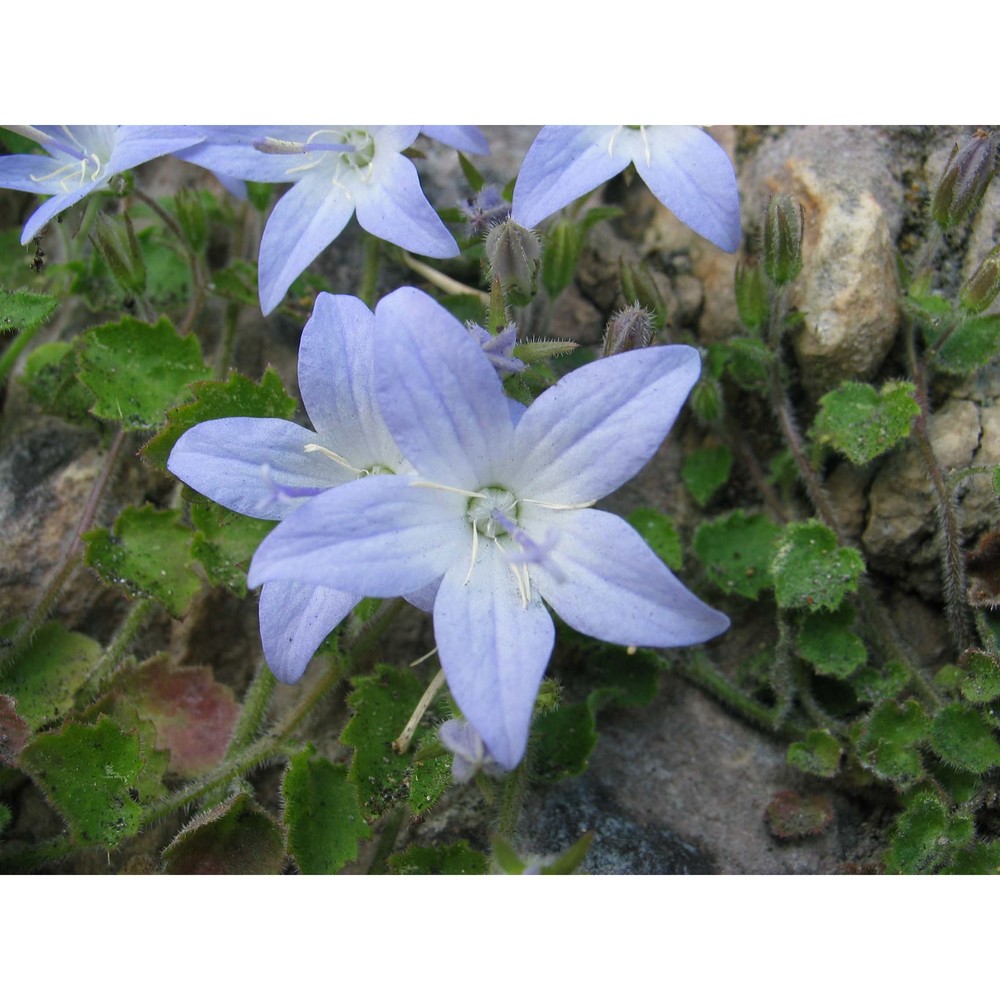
[[691, 174], [294, 620], [236, 187], [135, 144], [48, 210], [564, 163], [600, 424], [424, 597], [17, 170], [467, 138], [255, 466], [493, 651], [439, 394], [306, 220], [229, 149], [604, 580], [337, 382], [392, 206], [378, 535], [394, 138]]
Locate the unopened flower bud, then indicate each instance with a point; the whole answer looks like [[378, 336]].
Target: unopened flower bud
[[965, 178], [706, 400], [514, 254], [116, 242], [751, 296], [639, 286], [982, 288], [191, 216], [628, 329], [784, 226]]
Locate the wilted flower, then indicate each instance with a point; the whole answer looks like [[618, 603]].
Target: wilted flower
[[471, 755], [497, 514], [499, 349], [683, 167]]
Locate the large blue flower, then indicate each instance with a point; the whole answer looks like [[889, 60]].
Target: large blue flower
[[336, 171], [497, 515], [81, 159], [685, 168]]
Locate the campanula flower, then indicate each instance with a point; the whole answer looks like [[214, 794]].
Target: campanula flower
[[268, 468], [683, 166], [336, 171], [81, 159], [497, 515], [470, 753]]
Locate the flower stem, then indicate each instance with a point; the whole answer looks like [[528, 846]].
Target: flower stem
[[512, 800], [387, 841], [369, 276], [14, 350], [255, 706], [107, 664], [402, 742], [442, 281]]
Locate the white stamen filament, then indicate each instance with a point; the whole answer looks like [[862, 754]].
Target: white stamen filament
[[339, 459], [451, 489], [475, 552], [520, 571], [560, 506], [611, 143]]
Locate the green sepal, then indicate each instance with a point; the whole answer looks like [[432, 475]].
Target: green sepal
[[91, 774], [44, 679], [322, 814], [659, 533], [224, 543], [811, 571], [137, 372], [818, 754], [706, 471], [455, 859], [505, 857], [570, 859], [825, 640], [147, 554], [861, 423], [236, 837], [238, 396], [472, 176], [926, 837], [962, 738], [736, 551], [888, 745], [970, 346]]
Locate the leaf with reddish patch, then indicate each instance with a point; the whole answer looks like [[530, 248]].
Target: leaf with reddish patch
[[14, 732], [791, 816], [193, 713], [237, 837]]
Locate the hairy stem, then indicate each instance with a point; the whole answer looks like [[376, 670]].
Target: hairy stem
[[442, 281]]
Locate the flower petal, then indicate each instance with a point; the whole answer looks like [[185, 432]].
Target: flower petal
[[378, 535], [337, 382], [50, 208], [305, 221], [439, 394], [692, 175], [252, 465], [467, 138], [18, 171], [392, 206], [600, 424], [604, 580], [564, 163], [294, 619], [135, 144], [493, 651]]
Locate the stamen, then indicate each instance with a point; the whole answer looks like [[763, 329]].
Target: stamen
[[475, 552], [452, 489], [520, 575], [339, 459], [560, 506], [611, 144], [531, 551]]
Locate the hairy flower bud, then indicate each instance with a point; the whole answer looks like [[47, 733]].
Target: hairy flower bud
[[191, 216], [514, 254], [707, 401], [751, 296], [965, 178], [628, 329], [116, 242], [784, 226], [982, 288]]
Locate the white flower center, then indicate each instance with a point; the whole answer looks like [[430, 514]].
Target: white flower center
[[347, 153], [77, 165], [483, 508]]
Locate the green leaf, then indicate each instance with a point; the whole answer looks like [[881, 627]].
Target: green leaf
[[560, 255], [236, 837], [382, 706], [873, 685], [224, 543], [148, 554], [236, 397], [810, 571], [23, 311], [137, 372], [659, 533], [972, 344], [981, 683], [455, 859], [50, 376], [570, 859], [237, 281], [749, 363], [818, 754], [91, 774], [962, 738], [926, 837], [976, 859], [862, 423], [889, 741], [472, 176], [826, 641], [563, 741], [45, 678], [430, 778], [322, 814], [736, 552], [706, 471]]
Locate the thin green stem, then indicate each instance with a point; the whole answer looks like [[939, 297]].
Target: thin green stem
[[15, 349], [255, 708], [515, 788], [110, 660], [369, 276], [442, 281], [387, 841]]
